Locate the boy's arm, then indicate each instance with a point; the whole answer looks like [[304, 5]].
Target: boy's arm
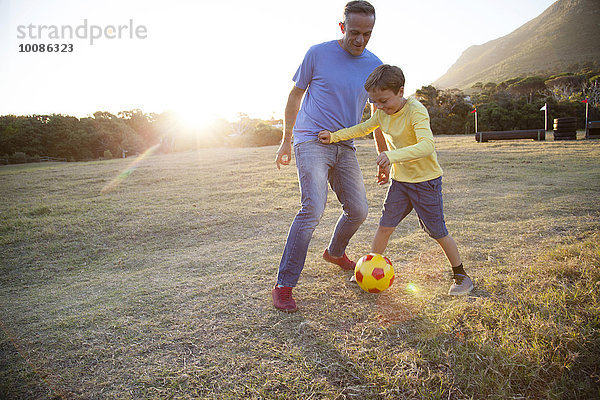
[[355, 131], [424, 146], [383, 173], [380, 143]]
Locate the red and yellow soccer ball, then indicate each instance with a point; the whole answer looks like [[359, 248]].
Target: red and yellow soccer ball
[[374, 273]]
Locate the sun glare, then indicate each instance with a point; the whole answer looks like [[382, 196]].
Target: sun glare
[[193, 119]]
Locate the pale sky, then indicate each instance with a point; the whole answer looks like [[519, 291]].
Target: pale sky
[[218, 58]]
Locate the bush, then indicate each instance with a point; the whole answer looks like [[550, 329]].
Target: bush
[[19, 157], [262, 135], [107, 154], [266, 135]]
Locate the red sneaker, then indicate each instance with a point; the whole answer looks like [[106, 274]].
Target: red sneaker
[[344, 262], [283, 300]]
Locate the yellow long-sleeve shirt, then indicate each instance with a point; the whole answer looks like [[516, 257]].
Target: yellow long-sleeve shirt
[[409, 139]]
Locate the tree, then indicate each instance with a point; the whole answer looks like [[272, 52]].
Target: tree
[[142, 124], [563, 87], [591, 91], [528, 87], [62, 137], [448, 109], [490, 87], [266, 135], [113, 132], [427, 95]]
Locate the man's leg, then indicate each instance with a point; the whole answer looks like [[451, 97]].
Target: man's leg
[[347, 182], [313, 161]]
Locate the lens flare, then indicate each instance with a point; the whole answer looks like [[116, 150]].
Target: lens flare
[[129, 170], [411, 287]]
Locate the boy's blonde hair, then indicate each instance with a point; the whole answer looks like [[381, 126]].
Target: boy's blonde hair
[[385, 77]]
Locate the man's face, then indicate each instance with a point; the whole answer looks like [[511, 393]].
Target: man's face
[[386, 100], [357, 32]]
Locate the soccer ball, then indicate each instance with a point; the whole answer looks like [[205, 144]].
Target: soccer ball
[[374, 273]]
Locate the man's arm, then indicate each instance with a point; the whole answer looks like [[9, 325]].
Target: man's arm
[[383, 174], [284, 154]]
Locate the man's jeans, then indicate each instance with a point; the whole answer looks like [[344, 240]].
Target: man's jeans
[[318, 164]]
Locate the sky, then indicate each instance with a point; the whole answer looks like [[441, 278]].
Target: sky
[[208, 60]]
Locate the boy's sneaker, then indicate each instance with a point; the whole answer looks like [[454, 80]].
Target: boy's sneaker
[[462, 285], [344, 262], [283, 300]]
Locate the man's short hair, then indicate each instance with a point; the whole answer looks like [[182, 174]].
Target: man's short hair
[[385, 77], [358, 7]]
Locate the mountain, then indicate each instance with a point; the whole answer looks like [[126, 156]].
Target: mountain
[[567, 33]]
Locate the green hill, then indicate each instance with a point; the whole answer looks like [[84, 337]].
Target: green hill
[[564, 37]]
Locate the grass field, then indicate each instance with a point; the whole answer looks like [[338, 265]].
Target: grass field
[[161, 287]]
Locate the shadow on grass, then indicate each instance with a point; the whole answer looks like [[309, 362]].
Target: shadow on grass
[[19, 378], [361, 349], [323, 367]]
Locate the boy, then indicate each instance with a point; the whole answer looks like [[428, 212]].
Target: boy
[[416, 174]]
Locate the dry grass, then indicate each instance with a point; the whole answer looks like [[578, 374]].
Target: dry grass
[[161, 288]]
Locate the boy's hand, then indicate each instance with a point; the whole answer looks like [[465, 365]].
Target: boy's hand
[[383, 175], [383, 161], [325, 137]]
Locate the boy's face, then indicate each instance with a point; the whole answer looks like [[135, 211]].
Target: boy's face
[[387, 101]]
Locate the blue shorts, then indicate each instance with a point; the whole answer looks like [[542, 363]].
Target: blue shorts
[[424, 197]]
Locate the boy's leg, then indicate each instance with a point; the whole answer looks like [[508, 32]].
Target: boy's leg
[[380, 241], [427, 200], [346, 181], [451, 250], [396, 207], [462, 282]]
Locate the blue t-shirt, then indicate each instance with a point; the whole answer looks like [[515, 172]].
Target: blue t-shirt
[[336, 96]]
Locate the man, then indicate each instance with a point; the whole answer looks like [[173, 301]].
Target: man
[[331, 79]]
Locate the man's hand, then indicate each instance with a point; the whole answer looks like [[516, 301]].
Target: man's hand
[[325, 137], [284, 154], [383, 161], [383, 175]]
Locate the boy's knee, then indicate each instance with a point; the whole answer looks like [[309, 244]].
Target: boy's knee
[[443, 239]]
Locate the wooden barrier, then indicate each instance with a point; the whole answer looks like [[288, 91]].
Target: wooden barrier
[[49, 159], [565, 128], [593, 130], [535, 134]]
